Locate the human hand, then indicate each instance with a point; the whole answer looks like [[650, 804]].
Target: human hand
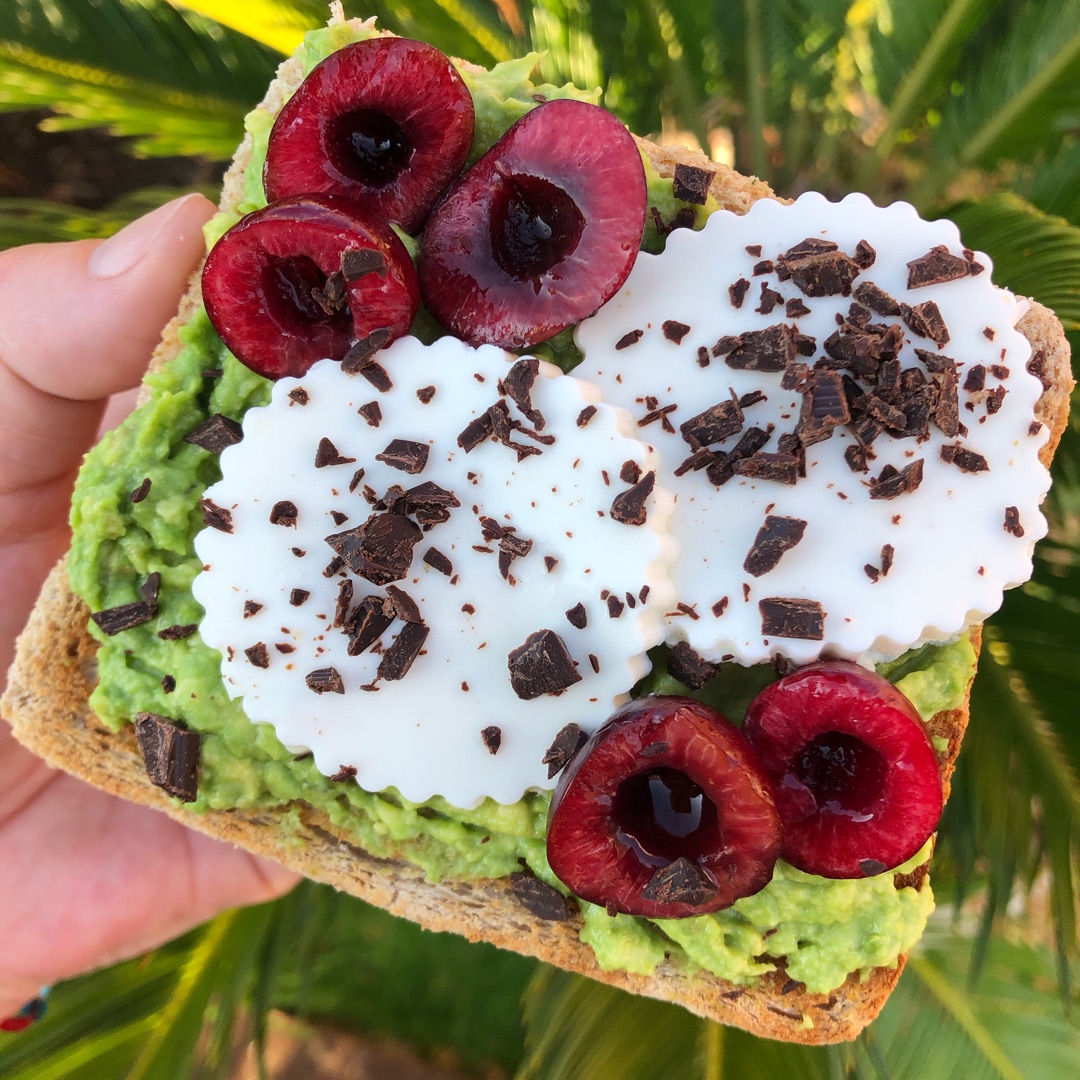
[[89, 878]]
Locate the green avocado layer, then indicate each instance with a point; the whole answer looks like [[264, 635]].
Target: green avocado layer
[[824, 929]]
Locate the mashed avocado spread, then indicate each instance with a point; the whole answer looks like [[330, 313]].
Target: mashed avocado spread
[[823, 929]]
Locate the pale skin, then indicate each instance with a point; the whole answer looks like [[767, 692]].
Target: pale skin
[[89, 879]]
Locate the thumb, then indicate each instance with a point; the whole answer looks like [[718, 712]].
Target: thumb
[[79, 322]]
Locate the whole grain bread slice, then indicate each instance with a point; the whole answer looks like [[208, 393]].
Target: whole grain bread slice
[[55, 670]]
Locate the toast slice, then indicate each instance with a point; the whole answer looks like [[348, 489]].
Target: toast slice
[[55, 670]]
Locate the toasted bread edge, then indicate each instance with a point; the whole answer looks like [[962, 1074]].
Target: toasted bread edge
[[55, 670]]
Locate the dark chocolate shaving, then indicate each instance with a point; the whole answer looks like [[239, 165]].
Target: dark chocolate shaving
[[632, 337], [299, 396], [541, 899], [381, 549], [344, 773], [491, 736], [429, 503], [168, 684], [141, 491], [822, 273], [824, 407], [298, 596], [689, 668], [171, 755], [564, 746], [865, 255], [405, 454], [780, 468], [577, 616], [372, 413], [325, 681], [965, 460], [251, 607], [359, 358], [795, 308], [518, 385], [1012, 521], [777, 536], [674, 331], [715, 424], [791, 617], [628, 506], [680, 882], [331, 297], [123, 617], [398, 659], [284, 513], [438, 561], [359, 262], [367, 623], [630, 473], [888, 552], [178, 631], [975, 380], [327, 454], [691, 184], [926, 321], [541, 665], [258, 655], [737, 292], [615, 606], [343, 607], [892, 482], [215, 434], [771, 349], [403, 605], [935, 268], [584, 416]]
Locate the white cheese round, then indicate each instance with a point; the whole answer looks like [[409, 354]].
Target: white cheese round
[[453, 723], [955, 542]]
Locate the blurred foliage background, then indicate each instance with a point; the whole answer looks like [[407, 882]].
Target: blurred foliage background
[[968, 109]]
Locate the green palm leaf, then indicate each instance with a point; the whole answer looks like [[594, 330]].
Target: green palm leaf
[[33, 221], [1010, 1028], [175, 82], [1018, 96]]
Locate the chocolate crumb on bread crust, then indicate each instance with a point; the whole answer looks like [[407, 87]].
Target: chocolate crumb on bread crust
[[55, 671]]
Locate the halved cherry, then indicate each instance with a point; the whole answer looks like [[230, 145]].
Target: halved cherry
[[306, 278], [386, 122], [540, 232], [664, 812], [857, 783]]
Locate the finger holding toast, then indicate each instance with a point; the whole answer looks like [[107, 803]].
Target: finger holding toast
[[100, 878]]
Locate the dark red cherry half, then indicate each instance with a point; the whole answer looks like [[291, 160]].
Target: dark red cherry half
[[540, 232], [274, 289], [386, 122], [664, 812], [857, 783]]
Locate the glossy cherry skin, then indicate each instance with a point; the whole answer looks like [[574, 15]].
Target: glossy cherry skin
[[857, 783], [259, 281], [666, 778], [540, 232], [387, 123]]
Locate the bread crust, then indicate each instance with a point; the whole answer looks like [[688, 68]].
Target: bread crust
[[55, 670]]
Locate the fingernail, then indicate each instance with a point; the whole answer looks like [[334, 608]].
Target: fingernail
[[133, 242]]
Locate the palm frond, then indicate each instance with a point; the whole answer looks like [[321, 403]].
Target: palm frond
[[142, 1018], [278, 24], [32, 221], [915, 51], [174, 82], [577, 1029], [1034, 253], [1019, 94], [1010, 1028]]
